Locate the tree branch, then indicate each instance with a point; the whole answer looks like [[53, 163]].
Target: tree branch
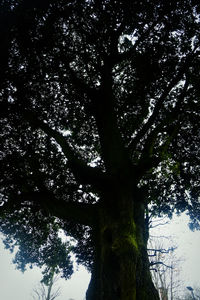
[[163, 251], [148, 160], [113, 150], [159, 263], [92, 93], [78, 212], [101, 106], [82, 172], [184, 66]]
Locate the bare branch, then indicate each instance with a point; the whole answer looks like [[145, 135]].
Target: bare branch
[[160, 263], [163, 251]]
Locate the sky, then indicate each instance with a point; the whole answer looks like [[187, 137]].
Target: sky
[[188, 245], [19, 286]]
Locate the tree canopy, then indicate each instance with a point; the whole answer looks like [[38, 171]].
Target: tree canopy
[[96, 95]]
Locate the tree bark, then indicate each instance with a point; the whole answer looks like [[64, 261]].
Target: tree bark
[[121, 266]]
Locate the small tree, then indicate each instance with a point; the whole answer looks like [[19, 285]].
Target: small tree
[[47, 290], [191, 293], [165, 267]]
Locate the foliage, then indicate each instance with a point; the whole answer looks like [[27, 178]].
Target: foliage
[[95, 95], [29, 239]]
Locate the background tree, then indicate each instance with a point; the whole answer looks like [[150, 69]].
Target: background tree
[[165, 267], [191, 294], [31, 249], [47, 291], [100, 116]]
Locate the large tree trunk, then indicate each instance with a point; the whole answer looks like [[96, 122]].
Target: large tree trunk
[[121, 267]]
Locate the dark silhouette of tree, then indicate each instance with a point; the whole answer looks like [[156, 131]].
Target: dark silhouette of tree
[[99, 118]]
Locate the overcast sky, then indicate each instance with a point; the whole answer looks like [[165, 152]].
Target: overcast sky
[[15, 285], [188, 245]]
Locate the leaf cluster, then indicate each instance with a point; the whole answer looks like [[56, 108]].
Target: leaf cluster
[[82, 83]]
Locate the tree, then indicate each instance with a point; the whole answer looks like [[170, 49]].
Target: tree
[[45, 290], [191, 293], [38, 243], [100, 117], [165, 268]]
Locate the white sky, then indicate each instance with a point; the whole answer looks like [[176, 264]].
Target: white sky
[[188, 245], [19, 286], [15, 285]]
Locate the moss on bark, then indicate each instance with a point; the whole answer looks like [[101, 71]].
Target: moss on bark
[[122, 270]]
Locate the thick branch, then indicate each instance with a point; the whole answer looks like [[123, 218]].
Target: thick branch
[[83, 173], [177, 77], [102, 107], [152, 156], [67, 211], [81, 84], [112, 147]]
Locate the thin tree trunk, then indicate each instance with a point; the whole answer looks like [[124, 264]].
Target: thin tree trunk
[[50, 287]]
